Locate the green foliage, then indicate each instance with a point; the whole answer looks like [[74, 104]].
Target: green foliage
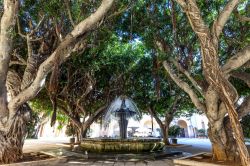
[[245, 123], [42, 108], [174, 130], [120, 53], [70, 130], [41, 104], [201, 132]]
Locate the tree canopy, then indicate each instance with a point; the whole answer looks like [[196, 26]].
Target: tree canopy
[[80, 55]]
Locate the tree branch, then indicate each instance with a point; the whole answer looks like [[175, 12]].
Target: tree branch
[[153, 113], [16, 63], [19, 29], [69, 13], [30, 70], [171, 110], [194, 16], [244, 108], [66, 112], [64, 50], [6, 44], [172, 107], [97, 113], [82, 97], [220, 22], [13, 83], [184, 86], [37, 26], [242, 76], [237, 60], [120, 11], [186, 73], [93, 19], [240, 17], [246, 65]]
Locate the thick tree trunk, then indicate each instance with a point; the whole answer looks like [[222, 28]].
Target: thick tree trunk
[[7, 28], [214, 74], [83, 127], [11, 142], [223, 146], [84, 131], [13, 114], [220, 130], [11, 147], [164, 130]]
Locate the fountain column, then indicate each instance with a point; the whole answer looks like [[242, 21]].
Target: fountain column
[[123, 124]]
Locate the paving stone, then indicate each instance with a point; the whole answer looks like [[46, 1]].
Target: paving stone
[[119, 163], [77, 162], [129, 163], [108, 163], [169, 162], [141, 163], [158, 163], [97, 163]]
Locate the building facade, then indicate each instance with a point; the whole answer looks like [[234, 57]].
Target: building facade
[[147, 126]]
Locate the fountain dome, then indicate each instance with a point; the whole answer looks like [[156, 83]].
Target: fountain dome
[[121, 110]]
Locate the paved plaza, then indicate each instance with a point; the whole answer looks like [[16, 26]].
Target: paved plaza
[[37, 145], [162, 162]]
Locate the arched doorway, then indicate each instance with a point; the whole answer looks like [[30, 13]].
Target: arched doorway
[[184, 129]]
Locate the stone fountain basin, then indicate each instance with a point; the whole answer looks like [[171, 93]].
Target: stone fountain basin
[[134, 145]]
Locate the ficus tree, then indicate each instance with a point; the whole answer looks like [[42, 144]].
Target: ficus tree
[[93, 79], [217, 97], [157, 95], [49, 40], [204, 59], [165, 109], [150, 22]]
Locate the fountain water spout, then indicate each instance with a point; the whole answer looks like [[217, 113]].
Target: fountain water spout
[[121, 109]]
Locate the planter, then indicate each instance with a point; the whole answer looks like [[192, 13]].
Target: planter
[[72, 140], [174, 140]]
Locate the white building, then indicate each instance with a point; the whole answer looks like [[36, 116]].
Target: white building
[[191, 125], [146, 126]]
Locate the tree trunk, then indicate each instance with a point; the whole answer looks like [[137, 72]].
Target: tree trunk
[[13, 132], [11, 142], [223, 146], [220, 131], [11, 146], [84, 132], [14, 114], [164, 130], [164, 126]]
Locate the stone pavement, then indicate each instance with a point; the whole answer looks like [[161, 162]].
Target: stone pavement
[[74, 162], [38, 145], [198, 145]]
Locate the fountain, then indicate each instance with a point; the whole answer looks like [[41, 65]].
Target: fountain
[[121, 110]]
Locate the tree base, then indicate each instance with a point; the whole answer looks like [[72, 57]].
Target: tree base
[[11, 142]]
